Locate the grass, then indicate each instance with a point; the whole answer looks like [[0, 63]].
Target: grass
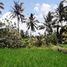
[[32, 58], [64, 45]]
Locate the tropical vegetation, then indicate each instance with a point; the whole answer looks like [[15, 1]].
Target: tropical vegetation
[[11, 36]]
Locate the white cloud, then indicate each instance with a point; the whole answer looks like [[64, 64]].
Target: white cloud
[[43, 9], [65, 3], [7, 16], [36, 9], [22, 26]]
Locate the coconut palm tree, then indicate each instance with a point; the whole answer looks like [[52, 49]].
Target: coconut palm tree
[[17, 11], [60, 11], [31, 24], [1, 6], [48, 22], [59, 18]]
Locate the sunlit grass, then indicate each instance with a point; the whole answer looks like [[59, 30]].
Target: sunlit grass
[[64, 45], [32, 58]]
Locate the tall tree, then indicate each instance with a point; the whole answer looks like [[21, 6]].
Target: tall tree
[[60, 15], [31, 24], [60, 10], [48, 22], [1, 7], [59, 18], [17, 11]]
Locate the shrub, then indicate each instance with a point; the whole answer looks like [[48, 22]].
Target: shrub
[[22, 34], [10, 39], [51, 39]]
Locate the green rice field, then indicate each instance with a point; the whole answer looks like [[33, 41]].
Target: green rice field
[[32, 58]]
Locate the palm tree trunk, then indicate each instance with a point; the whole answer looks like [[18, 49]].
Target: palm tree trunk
[[30, 33], [45, 32], [18, 24], [57, 33], [61, 24]]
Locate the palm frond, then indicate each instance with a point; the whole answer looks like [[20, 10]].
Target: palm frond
[[55, 26], [1, 7], [28, 28], [1, 3], [37, 21], [17, 10], [36, 27], [0, 12], [54, 21], [41, 27]]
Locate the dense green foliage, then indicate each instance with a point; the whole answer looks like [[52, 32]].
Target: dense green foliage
[[10, 38], [17, 11], [51, 39], [32, 58], [64, 45], [38, 51], [63, 34]]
